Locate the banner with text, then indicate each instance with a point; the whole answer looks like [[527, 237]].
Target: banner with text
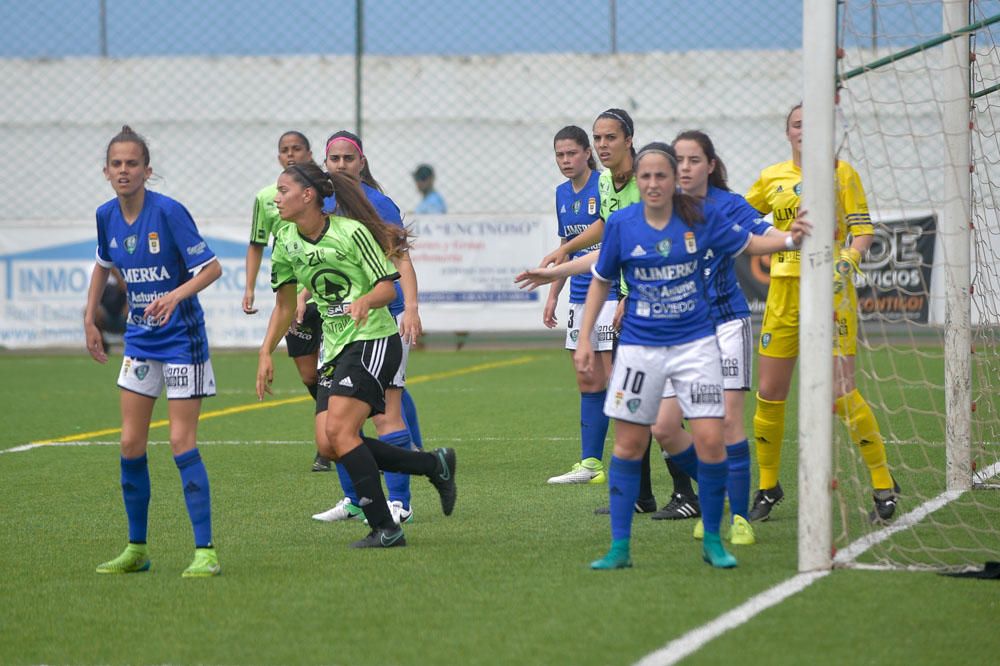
[[895, 280], [465, 267]]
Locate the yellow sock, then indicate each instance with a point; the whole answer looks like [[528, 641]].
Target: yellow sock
[[768, 431], [854, 411]]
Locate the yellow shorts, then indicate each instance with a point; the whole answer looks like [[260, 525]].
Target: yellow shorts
[[779, 331]]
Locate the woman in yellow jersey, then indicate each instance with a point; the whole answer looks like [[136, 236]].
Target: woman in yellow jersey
[[778, 191]]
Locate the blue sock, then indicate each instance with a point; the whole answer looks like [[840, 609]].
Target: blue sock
[[135, 490], [411, 420], [194, 479], [687, 460], [712, 493], [623, 491], [398, 484], [593, 425], [346, 484], [738, 485]]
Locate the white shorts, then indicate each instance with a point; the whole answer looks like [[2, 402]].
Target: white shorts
[[602, 337], [640, 375], [736, 344], [183, 380], [399, 379]]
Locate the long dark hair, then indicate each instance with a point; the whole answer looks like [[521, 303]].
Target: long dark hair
[[366, 172], [128, 135], [718, 177], [351, 202], [622, 118], [686, 206], [576, 134]]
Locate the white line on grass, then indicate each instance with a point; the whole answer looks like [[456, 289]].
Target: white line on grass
[[231, 442], [695, 639]]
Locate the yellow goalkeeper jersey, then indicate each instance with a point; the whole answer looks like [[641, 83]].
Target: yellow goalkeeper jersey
[[778, 191]]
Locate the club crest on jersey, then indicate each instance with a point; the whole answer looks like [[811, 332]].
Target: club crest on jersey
[[797, 189], [574, 335], [663, 247], [765, 340], [619, 395], [141, 371], [576, 207], [154, 242], [592, 206], [633, 405], [130, 243], [689, 242]]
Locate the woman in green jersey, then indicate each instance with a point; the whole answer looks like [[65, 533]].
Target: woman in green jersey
[[343, 260]]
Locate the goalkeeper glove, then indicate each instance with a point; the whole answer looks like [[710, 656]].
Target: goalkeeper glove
[[849, 259]]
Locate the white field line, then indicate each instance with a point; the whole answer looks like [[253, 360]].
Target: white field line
[[694, 640], [245, 442]]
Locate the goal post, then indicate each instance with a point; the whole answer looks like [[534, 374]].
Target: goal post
[[815, 473], [917, 115]]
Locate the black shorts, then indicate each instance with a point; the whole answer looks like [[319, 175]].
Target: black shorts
[[362, 370], [305, 339]]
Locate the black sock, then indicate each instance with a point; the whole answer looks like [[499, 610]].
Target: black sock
[[394, 459], [312, 389], [645, 481], [361, 467], [682, 482]]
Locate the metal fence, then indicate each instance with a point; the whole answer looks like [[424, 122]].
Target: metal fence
[[476, 89]]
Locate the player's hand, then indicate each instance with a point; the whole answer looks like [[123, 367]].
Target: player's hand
[[583, 357], [358, 310], [549, 314], [162, 308], [616, 321], [800, 228], [265, 375], [95, 343], [535, 277], [554, 258], [848, 260], [410, 326], [248, 307]]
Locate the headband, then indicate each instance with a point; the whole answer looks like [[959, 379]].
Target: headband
[[647, 151], [348, 140], [626, 125], [312, 183]]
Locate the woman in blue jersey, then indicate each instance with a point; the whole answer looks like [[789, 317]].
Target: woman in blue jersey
[[398, 425], [667, 334], [153, 242], [342, 257], [702, 174], [577, 207]]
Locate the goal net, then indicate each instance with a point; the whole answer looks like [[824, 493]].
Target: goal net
[[919, 119]]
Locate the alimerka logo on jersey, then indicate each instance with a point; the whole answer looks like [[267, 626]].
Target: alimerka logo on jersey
[[146, 274]]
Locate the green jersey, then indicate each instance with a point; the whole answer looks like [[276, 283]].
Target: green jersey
[[342, 265], [266, 220], [612, 200]]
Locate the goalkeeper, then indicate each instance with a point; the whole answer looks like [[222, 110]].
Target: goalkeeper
[[778, 191]]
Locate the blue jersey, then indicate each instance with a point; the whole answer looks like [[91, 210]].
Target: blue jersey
[[158, 252], [389, 212], [724, 293], [576, 211], [667, 302]]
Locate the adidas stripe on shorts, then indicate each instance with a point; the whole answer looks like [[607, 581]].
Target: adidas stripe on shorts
[[182, 380], [362, 370]]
